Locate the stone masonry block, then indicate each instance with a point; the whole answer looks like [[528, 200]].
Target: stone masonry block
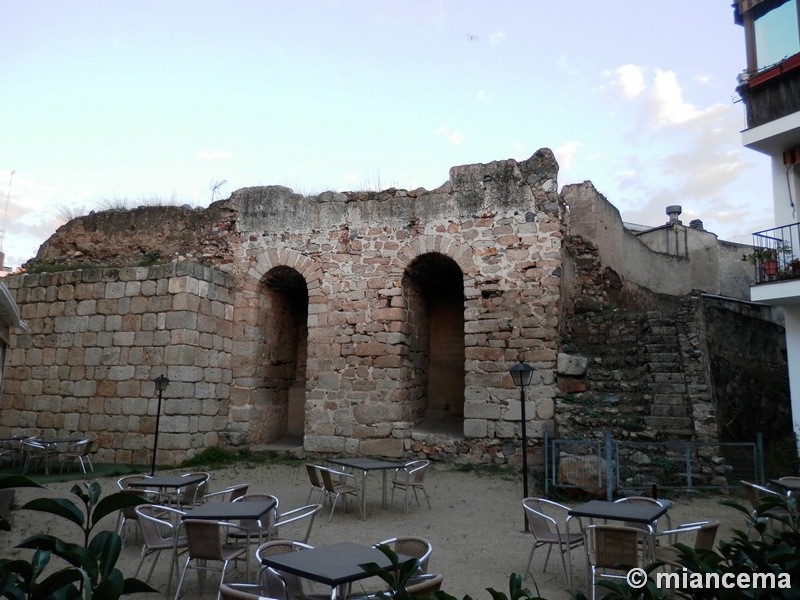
[[475, 428]]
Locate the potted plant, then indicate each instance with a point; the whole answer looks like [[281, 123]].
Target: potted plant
[[793, 266], [767, 258]]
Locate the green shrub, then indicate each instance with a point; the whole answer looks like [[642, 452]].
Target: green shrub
[[92, 571]]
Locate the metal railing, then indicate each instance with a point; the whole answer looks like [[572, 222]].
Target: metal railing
[[776, 253], [608, 464]]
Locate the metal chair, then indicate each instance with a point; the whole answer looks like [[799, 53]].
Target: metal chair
[[334, 490], [192, 494], [293, 516], [78, 452], [129, 512], [426, 585], [418, 547], [280, 583], [34, 452], [614, 548], [206, 542], [246, 591], [412, 477], [546, 531], [706, 533], [248, 528], [645, 501], [755, 495], [233, 493], [160, 534], [316, 482]]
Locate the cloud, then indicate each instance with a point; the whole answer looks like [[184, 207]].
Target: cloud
[[213, 155], [350, 177], [451, 134], [630, 79], [565, 154], [667, 106], [483, 97], [497, 38]]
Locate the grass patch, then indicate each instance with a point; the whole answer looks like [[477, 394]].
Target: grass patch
[[219, 458]]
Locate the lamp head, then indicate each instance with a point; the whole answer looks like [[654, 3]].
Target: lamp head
[[161, 383], [522, 374]]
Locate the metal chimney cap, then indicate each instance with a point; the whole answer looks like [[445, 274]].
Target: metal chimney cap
[[674, 212]]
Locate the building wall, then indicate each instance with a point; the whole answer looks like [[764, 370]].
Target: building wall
[[98, 339]]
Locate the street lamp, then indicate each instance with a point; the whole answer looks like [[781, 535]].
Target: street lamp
[[522, 374], [161, 384]]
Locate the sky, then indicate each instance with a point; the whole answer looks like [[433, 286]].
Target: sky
[[103, 102]]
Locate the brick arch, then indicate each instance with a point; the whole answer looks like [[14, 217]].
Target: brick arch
[[462, 254], [286, 257]]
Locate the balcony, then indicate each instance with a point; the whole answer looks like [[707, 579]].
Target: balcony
[[776, 254]]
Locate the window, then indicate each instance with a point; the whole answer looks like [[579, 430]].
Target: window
[[776, 33]]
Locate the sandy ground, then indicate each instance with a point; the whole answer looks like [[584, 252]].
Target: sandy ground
[[475, 525]]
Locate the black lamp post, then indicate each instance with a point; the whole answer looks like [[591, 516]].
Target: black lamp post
[[161, 384], [522, 374]]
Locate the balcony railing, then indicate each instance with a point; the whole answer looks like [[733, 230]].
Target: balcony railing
[[776, 253]]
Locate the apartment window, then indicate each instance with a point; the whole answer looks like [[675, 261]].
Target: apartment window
[[776, 32]]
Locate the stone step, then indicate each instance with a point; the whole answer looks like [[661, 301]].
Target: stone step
[[669, 378], [666, 367], [670, 331], [669, 410], [665, 357], [667, 388], [668, 399], [669, 423]]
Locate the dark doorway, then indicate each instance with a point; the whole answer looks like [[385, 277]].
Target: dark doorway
[[283, 351], [434, 290]]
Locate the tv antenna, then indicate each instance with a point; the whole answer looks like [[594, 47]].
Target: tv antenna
[[214, 187], [5, 214]]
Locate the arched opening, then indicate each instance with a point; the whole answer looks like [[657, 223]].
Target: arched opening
[[283, 354], [434, 291]]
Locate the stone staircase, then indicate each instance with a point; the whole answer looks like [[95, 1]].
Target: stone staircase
[[643, 379], [667, 390]]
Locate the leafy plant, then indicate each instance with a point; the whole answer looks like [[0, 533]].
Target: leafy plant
[[92, 571]]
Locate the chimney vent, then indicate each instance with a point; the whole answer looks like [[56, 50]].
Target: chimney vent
[[696, 224], [674, 212]]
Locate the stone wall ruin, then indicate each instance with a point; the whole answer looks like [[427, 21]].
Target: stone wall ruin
[[369, 323]]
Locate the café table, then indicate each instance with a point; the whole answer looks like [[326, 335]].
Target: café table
[[53, 443], [644, 514], [365, 465], [165, 482], [335, 565]]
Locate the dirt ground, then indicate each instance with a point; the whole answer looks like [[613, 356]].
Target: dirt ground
[[475, 525]]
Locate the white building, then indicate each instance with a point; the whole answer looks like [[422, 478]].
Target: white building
[[770, 88]]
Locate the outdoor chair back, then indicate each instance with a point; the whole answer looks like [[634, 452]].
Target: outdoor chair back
[[425, 586], [316, 482], [610, 547], [250, 527], [334, 490], [418, 547], [412, 477], [295, 515], [159, 532], [547, 532], [205, 541], [644, 501], [705, 534], [192, 494]]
